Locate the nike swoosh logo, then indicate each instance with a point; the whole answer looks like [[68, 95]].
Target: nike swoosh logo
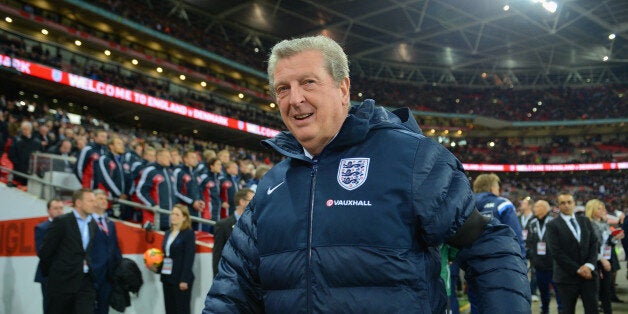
[[270, 191]]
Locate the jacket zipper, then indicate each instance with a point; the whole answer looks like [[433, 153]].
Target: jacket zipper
[[309, 238]]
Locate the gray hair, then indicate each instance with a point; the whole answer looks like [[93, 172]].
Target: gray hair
[[99, 192], [337, 61], [26, 124]]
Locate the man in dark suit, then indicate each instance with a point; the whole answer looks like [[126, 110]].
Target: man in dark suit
[[105, 253], [65, 257], [224, 227], [574, 249], [55, 209]]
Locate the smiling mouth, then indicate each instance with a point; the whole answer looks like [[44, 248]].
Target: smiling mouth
[[303, 116]]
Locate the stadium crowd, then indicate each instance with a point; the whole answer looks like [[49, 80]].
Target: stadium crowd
[[547, 104], [131, 163], [558, 150], [53, 127], [112, 74]]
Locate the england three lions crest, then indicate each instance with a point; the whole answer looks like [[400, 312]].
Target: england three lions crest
[[352, 172]]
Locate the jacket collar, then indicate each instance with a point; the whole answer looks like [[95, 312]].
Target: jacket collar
[[362, 118]]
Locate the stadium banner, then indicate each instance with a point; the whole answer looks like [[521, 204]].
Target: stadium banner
[[546, 167], [113, 91]]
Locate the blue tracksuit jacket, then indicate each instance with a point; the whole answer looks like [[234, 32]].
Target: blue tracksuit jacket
[[357, 229], [502, 209]]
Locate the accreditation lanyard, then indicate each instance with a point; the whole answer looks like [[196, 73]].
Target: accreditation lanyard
[[541, 230]]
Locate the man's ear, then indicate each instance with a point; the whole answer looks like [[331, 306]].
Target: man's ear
[[345, 86]]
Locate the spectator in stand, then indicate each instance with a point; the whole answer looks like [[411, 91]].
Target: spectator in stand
[[574, 248], [489, 203], [539, 255], [175, 156], [225, 227], [259, 173], [13, 126], [229, 185], [21, 149], [86, 161], [187, 188], [80, 142], [54, 209], [210, 189], [44, 135], [155, 189], [4, 132], [63, 149], [225, 157], [105, 253], [109, 174]]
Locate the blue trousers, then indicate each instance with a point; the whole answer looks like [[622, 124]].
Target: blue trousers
[[543, 281]]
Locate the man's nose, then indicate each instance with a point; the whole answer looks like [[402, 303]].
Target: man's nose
[[296, 95]]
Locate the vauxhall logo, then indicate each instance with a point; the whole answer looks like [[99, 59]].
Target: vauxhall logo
[[331, 203]]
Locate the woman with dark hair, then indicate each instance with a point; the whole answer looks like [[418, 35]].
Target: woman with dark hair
[[176, 272]]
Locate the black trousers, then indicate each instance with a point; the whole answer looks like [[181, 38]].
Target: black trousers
[[605, 290], [81, 302], [177, 301], [587, 290], [44, 294]]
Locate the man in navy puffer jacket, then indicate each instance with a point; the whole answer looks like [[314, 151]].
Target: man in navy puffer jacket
[[351, 220]]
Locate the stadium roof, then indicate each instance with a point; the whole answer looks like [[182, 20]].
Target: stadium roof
[[479, 43]]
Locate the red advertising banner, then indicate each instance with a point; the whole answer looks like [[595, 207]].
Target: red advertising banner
[[142, 99], [17, 238], [109, 90]]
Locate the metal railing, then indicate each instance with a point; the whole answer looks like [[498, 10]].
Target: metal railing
[[54, 190]]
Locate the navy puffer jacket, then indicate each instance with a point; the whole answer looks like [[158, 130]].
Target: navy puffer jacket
[[357, 229]]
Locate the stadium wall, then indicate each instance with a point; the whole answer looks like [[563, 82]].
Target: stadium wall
[[20, 212]]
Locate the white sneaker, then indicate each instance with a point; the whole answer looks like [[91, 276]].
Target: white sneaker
[[535, 298]]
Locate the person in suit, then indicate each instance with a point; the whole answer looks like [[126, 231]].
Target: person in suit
[[224, 227], [105, 253], [176, 271], [526, 215], [65, 257], [55, 209], [540, 258], [574, 247]]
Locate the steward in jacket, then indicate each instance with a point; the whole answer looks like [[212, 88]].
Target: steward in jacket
[[352, 219], [109, 174], [129, 158], [88, 157], [156, 189], [210, 189], [187, 185]]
